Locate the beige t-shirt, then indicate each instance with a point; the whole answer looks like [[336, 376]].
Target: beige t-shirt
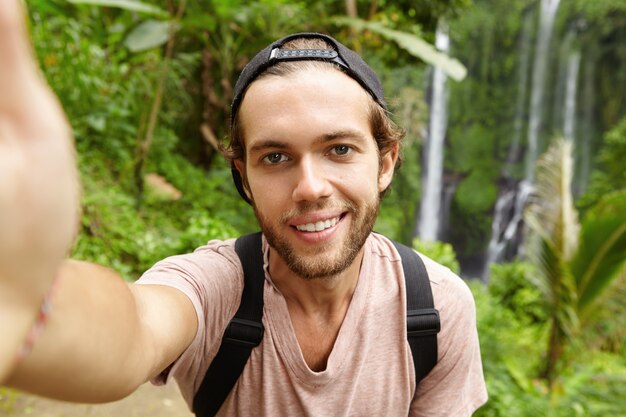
[[370, 369]]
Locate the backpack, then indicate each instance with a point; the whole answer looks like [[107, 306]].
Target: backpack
[[245, 330]]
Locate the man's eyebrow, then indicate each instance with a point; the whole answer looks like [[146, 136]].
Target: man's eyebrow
[[342, 134], [267, 144]]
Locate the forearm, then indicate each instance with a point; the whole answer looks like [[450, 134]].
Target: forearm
[[17, 315], [93, 347]]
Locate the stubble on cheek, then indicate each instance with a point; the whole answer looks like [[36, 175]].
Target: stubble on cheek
[[318, 262]]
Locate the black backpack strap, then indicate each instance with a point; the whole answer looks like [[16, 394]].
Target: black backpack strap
[[422, 319], [244, 332]]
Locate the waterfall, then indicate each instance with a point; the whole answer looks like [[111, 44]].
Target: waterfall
[[514, 153], [586, 136], [546, 21], [504, 214], [560, 83], [449, 187], [430, 206], [569, 108], [508, 211], [566, 115], [508, 216]]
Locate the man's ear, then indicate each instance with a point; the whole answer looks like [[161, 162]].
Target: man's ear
[[387, 167], [240, 166]]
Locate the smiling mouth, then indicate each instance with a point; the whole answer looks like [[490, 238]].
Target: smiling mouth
[[318, 226]]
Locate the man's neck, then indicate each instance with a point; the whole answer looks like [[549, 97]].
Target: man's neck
[[326, 296]]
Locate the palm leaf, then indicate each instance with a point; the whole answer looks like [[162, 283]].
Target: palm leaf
[[553, 278], [552, 208], [553, 223], [132, 5], [601, 258], [411, 43]]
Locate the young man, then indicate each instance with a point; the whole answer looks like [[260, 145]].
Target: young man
[[313, 151]]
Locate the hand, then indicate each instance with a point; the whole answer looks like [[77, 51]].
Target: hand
[[38, 180]]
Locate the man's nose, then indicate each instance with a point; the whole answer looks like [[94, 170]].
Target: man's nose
[[311, 182]]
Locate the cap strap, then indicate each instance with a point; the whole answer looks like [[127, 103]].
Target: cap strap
[[304, 54]]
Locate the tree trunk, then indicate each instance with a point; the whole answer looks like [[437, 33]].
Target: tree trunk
[[143, 146], [351, 9], [555, 352]]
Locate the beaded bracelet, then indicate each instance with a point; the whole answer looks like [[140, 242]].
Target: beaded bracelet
[[40, 323]]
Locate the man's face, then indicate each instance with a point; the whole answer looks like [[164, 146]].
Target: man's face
[[312, 168]]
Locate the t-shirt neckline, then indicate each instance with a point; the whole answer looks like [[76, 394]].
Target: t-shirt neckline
[[276, 317]]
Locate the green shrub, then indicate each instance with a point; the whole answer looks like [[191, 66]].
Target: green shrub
[[440, 252], [511, 321]]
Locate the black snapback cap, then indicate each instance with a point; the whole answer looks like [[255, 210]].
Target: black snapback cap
[[349, 62]]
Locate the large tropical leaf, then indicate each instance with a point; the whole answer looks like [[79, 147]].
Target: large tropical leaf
[[553, 224], [554, 279], [412, 44], [601, 258], [132, 5], [148, 34], [552, 208]]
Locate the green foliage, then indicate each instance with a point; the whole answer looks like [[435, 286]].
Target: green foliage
[[512, 324], [510, 284], [606, 330], [598, 10], [203, 228], [610, 174], [476, 193], [600, 259], [440, 252], [511, 351], [613, 154]]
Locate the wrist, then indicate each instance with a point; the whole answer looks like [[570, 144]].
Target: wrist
[[15, 322], [22, 325]]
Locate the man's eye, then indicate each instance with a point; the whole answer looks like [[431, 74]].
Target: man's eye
[[341, 150], [274, 158]]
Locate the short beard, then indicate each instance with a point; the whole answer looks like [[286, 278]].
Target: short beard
[[317, 265]]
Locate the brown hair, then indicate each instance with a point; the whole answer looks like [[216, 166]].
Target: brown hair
[[386, 133]]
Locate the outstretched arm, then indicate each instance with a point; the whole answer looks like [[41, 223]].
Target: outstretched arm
[[104, 337]]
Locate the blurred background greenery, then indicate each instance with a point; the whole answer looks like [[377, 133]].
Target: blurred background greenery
[[147, 88]]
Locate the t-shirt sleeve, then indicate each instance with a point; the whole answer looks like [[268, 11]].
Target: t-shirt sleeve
[[212, 278], [456, 385]]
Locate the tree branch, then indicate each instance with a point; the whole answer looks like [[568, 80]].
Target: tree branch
[[143, 146]]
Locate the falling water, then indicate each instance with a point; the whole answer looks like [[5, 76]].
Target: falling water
[[522, 92], [433, 149], [569, 108], [504, 216], [546, 22], [585, 137], [560, 83], [508, 211], [567, 117], [507, 220]]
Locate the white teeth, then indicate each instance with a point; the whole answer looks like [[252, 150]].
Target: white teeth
[[319, 226]]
